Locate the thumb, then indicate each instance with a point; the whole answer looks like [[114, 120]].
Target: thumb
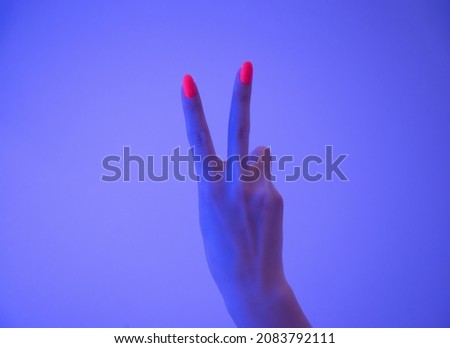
[[261, 160]]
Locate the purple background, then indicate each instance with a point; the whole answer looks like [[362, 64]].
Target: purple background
[[79, 81]]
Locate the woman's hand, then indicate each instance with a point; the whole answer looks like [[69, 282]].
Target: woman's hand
[[241, 215]]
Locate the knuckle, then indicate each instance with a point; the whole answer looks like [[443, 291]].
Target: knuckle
[[277, 199], [193, 106], [198, 138], [244, 97], [242, 132], [271, 200]]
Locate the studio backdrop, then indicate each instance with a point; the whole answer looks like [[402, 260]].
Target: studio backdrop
[[82, 80]]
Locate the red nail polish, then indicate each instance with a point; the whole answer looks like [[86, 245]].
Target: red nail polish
[[189, 87], [246, 73]]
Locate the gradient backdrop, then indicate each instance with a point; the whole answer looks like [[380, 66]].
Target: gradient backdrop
[[79, 80]]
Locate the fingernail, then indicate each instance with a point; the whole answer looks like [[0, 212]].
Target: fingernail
[[189, 87], [246, 73]]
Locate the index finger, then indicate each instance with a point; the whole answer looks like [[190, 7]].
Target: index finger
[[196, 127]]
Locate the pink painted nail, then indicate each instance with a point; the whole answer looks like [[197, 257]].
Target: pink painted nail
[[246, 73], [189, 87]]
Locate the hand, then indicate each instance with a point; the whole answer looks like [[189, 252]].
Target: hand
[[241, 220]]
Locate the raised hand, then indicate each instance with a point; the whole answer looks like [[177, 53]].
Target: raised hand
[[241, 215]]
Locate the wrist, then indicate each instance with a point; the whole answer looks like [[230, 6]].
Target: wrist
[[274, 306]]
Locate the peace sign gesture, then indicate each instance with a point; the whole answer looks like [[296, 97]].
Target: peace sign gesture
[[241, 215]]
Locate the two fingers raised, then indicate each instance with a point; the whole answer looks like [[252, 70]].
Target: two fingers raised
[[239, 121]]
